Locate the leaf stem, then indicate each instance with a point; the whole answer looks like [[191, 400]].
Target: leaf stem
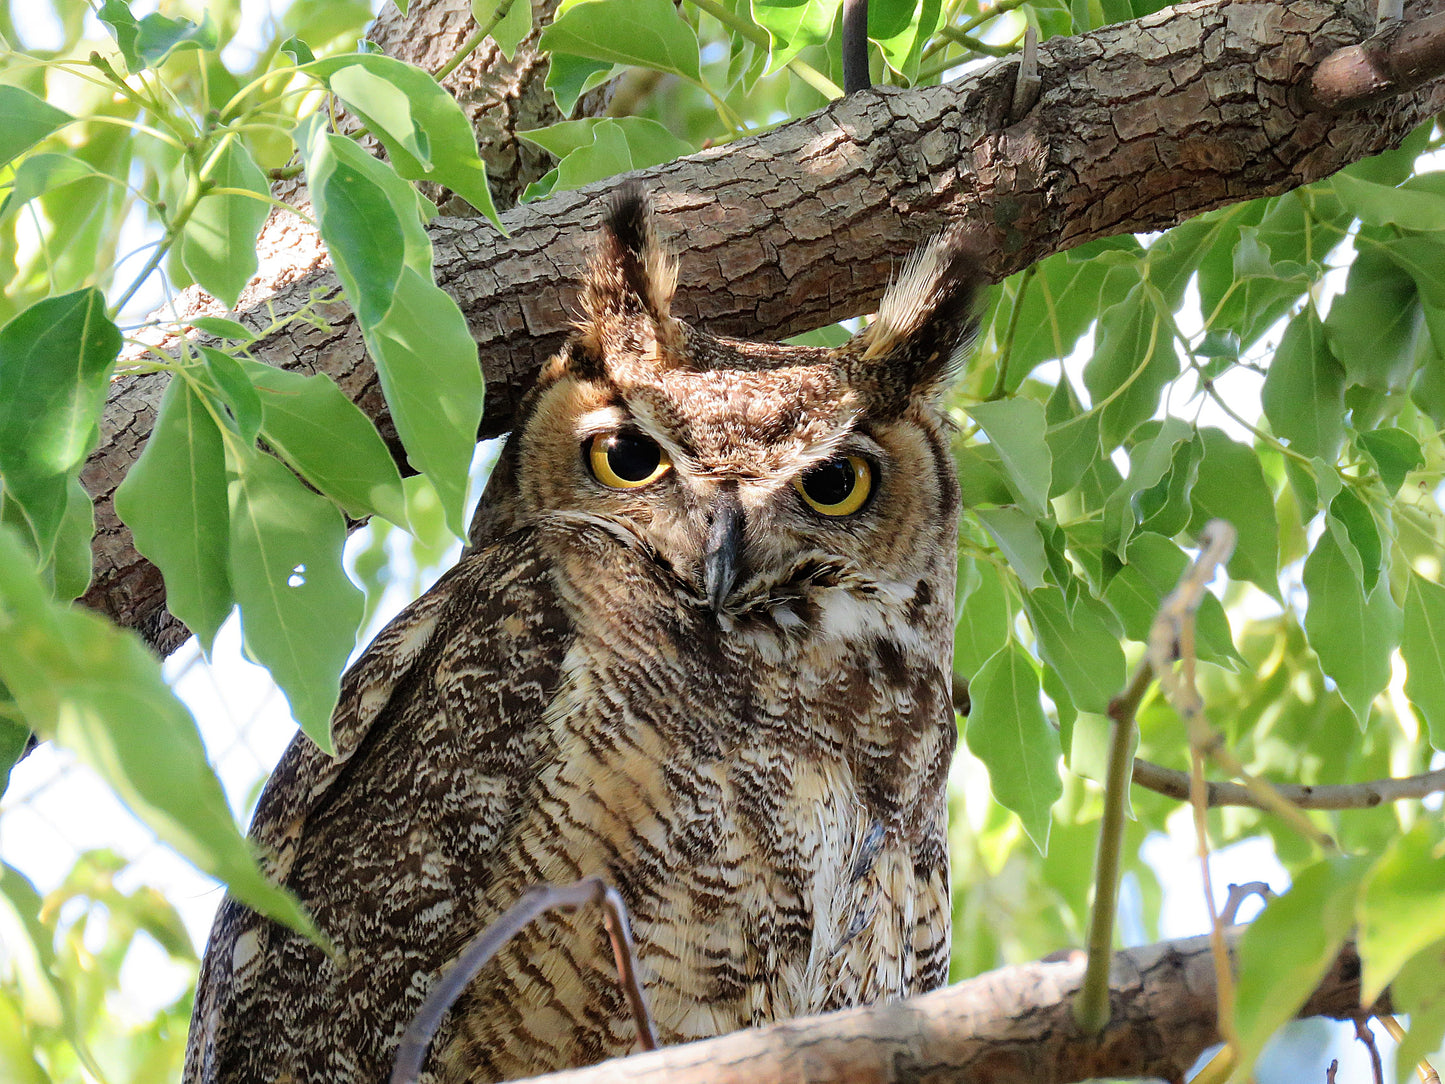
[[1005, 351]]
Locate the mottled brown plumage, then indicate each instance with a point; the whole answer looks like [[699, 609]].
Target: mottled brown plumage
[[732, 706]]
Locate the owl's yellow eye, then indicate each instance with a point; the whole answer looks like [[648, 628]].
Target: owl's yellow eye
[[838, 486], [626, 459]]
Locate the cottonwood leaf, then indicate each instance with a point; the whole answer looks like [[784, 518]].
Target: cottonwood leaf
[[299, 610], [1008, 732], [174, 501], [95, 689]]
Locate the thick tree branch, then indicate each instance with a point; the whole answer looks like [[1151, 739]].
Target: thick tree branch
[[1012, 1026], [1138, 126]]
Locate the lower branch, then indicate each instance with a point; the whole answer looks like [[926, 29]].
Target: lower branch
[[1013, 1026]]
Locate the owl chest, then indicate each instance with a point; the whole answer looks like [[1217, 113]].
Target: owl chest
[[762, 829]]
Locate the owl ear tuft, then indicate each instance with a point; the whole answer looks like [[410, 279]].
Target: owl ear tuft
[[926, 320], [631, 274]]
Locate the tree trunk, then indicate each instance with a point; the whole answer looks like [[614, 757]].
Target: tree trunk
[[1138, 126]]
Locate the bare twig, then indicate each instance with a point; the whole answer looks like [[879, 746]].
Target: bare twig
[[1398, 58], [1367, 1037], [1423, 1069], [1237, 895], [1175, 784], [1332, 1070], [534, 903]]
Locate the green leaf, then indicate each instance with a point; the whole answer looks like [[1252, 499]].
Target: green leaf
[[427, 360], [234, 388], [40, 174], [792, 27], [1152, 570], [1072, 437], [569, 77], [1352, 633], [1373, 326], [1289, 947], [1409, 206], [604, 147], [124, 29], [1079, 647], [1015, 427], [1418, 991], [28, 120], [385, 105], [1259, 291], [983, 622], [174, 501], [222, 328], [1422, 645], [300, 52], [362, 231], [218, 243], [95, 689], [1008, 732], [13, 740], [1395, 453], [1064, 297], [1017, 535], [406, 206], [514, 25], [1354, 529], [426, 134], [325, 436], [55, 364], [915, 23], [1231, 486], [160, 36], [69, 568], [1133, 361], [1403, 907], [146, 43], [299, 611], [1150, 461], [1304, 390], [648, 33]]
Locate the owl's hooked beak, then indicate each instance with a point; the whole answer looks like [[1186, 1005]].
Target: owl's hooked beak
[[722, 560]]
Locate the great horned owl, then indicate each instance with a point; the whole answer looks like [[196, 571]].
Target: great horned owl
[[700, 646]]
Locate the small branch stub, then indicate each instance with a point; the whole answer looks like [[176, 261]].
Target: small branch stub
[[1395, 60]]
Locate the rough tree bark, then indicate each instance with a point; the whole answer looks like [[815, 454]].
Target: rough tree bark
[[1139, 126], [1013, 1026]]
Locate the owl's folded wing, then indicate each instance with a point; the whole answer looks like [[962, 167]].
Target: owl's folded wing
[[389, 842]]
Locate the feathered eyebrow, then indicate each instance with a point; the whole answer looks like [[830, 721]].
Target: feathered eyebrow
[[617, 416]]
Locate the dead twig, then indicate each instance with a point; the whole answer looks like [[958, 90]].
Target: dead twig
[[534, 902], [1237, 895]]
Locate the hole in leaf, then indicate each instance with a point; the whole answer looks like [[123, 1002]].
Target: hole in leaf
[[297, 577]]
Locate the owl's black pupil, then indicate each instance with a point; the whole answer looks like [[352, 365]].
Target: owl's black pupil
[[831, 482], [632, 456]]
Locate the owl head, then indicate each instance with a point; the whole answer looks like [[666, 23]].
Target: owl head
[[748, 476]]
